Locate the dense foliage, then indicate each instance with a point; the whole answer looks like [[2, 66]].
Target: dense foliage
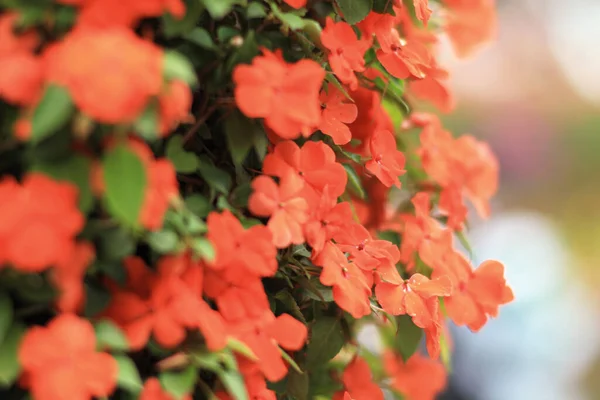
[[205, 198]]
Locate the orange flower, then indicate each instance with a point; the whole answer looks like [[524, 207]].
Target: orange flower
[[175, 103], [286, 209], [311, 167], [107, 13], [387, 162], [40, 220], [416, 297], [240, 252], [68, 278], [351, 290], [338, 111], [432, 89], [470, 24], [161, 304], [285, 95], [111, 87], [325, 220], [153, 391], [405, 59], [369, 254], [478, 293], [346, 51], [358, 381], [21, 72], [383, 27], [371, 117], [418, 379], [60, 361], [295, 3], [254, 380], [422, 10], [264, 334]]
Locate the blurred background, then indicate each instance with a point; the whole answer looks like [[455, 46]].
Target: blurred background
[[534, 95]]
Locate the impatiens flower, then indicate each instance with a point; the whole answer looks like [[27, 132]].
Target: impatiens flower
[[68, 278], [21, 71], [153, 391], [422, 10], [311, 167], [240, 252], [264, 334], [358, 381], [174, 106], [387, 162], [383, 26], [326, 219], [60, 361], [405, 59], [285, 95], [346, 51], [338, 111], [367, 253], [107, 13], [161, 304], [295, 3], [414, 297], [110, 86], [477, 294], [40, 220], [419, 378], [470, 24], [433, 89], [287, 210], [351, 290]]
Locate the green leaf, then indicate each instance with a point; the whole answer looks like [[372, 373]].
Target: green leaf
[[173, 26], [293, 21], [129, 376], [242, 133], [215, 177], [315, 290], [226, 33], [204, 248], [147, 123], [179, 383], [113, 269], [96, 300], [408, 336], [6, 314], [290, 361], [115, 244], [9, 364], [256, 10], [355, 10], [390, 236], [383, 6], [183, 161], [297, 385], [219, 8], [201, 37], [326, 340], [286, 298], [52, 112], [234, 383], [240, 348], [75, 169], [163, 242], [125, 180], [245, 53], [354, 185], [240, 195], [177, 66], [198, 204], [110, 337]]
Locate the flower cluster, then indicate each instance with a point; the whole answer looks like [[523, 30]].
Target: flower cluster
[[208, 198]]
